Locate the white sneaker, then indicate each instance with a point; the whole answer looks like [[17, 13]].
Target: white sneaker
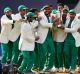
[[72, 72], [54, 69], [64, 69], [67, 70], [42, 71], [78, 69], [60, 70]]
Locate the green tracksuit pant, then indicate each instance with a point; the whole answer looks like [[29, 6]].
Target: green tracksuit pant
[[47, 53], [27, 62], [15, 52], [70, 52], [10, 51], [36, 62], [6, 52], [20, 58], [59, 46]]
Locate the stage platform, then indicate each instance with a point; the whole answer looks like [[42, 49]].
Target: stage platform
[[55, 73]]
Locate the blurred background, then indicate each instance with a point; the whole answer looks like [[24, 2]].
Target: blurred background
[[36, 4]]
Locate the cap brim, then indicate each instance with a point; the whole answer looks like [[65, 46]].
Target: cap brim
[[35, 16], [72, 12], [7, 10], [25, 8]]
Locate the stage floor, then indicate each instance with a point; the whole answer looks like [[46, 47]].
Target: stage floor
[[55, 73]]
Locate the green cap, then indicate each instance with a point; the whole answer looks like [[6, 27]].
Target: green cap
[[72, 11], [31, 14], [21, 7], [46, 6], [7, 9], [64, 9], [54, 11]]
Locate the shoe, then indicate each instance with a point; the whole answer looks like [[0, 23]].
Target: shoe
[[67, 70], [35, 69], [42, 71], [64, 69], [53, 69], [72, 72], [60, 70], [78, 69]]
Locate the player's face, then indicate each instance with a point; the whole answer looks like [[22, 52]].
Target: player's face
[[23, 12], [47, 10], [8, 12], [72, 15], [60, 8]]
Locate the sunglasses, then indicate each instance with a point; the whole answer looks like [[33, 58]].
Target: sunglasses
[[24, 10]]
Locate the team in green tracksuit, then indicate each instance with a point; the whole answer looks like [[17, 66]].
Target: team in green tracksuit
[[48, 53], [7, 23], [70, 52], [37, 58], [10, 35], [71, 42], [16, 33], [27, 43], [59, 36], [45, 42], [15, 52]]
